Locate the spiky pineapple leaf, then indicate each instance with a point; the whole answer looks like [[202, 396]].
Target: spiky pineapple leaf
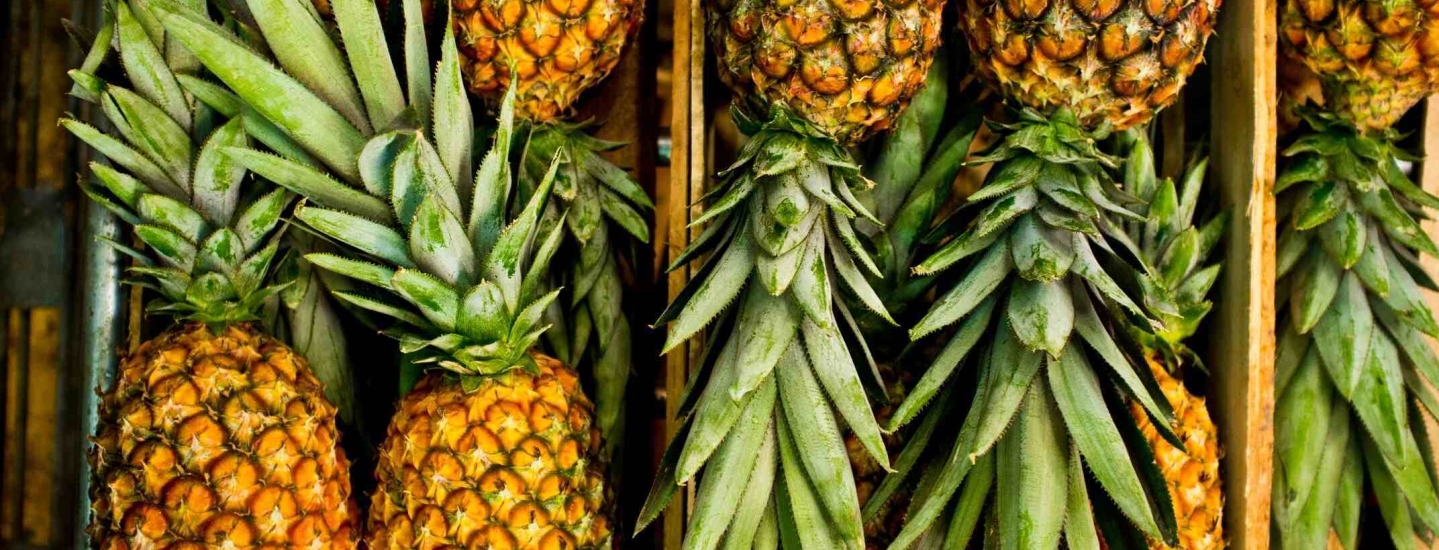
[[1032, 487]]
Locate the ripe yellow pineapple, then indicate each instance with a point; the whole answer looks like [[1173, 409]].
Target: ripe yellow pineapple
[[496, 445], [503, 465], [219, 438], [1192, 472], [1178, 248], [1108, 61], [1375, 59], [849, 68], [213, 434], [559, 48]]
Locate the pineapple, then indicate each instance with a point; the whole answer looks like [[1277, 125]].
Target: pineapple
[[849, 69], [780, 228], [1175, 296], [1352, 357], [1373, 59], [1038, 301], [550, 53], [1108, 61], [557, 49], [497, 445], [214, 434]]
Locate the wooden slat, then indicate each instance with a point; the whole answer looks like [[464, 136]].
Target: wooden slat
[[688, 169], [1242, 354]]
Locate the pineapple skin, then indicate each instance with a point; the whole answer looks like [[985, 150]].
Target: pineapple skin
[[849, 67], [208, 440], [507, 465], [1374, 59], [1192, 473], [560, 48], [1108, 61]]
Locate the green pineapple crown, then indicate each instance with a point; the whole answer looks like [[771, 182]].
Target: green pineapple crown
[[209, 242], [467, 291], [1174, 290]]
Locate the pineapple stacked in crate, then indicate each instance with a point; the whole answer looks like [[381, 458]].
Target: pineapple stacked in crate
[[550, 53], [214, 433], [764, 416], [1052, 285], [1353, 366], [496, 445]]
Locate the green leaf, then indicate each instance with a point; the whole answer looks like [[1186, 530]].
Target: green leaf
[[1032, 463], [733, 464], [377, 306], [139, 165], [1350, 496], [261, 217], [1373, 267], [153, 131], [1303, 415], [162, 210], [1396, 222], [753, 508], [983, 278], [1078, 515], [1076, 391], [1392, 505], [367, 236], [1008, 176], [1379, 399], [1324, 200], [1040, 254], [974, 327], [482, 316], [1343, 335], [1293, 243], [503, 266], [216, 187], [1014, 370], [1087, 266], [850, 274], [1343, 237], [146, 67], [436, 301], [1306, 168], [765, 329], [369, 54], [359, 270], [453, 123], [715, 414], [970, 504], [311, 183], [798, 504], [173, 248], [322, 130], [303, 48], [1042, 315], [816, 436], [1313, 290], [1005, 209], [955, 250], [1309, 525], [714, 289], [439, 246], [221, 252], [624, 215], [835, 370], [1094, 332], [811, 287]]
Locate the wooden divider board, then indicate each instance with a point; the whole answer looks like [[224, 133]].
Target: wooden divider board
[[1241, 357], [1242, 167]]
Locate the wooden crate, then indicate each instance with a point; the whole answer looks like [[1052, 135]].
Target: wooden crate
[[1242, 122]]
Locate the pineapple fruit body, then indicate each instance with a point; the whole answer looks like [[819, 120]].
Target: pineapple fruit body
[[1374, 59], [218, 440], [559, 48], [1191, 471], [1109, 61], [849, 68], [504, 465]]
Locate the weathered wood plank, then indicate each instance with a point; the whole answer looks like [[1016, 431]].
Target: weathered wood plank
[[1242, 351]]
